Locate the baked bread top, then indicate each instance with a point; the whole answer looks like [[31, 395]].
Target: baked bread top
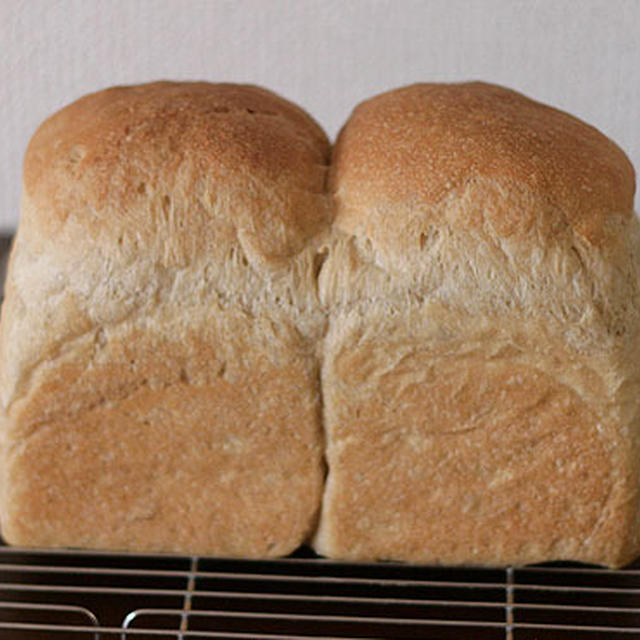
[[498, 155], [173, 154]]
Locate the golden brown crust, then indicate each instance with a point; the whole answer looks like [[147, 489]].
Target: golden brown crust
[[166, 153], [426, 144]]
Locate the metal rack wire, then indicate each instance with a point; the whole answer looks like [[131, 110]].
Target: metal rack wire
[[98, 596]]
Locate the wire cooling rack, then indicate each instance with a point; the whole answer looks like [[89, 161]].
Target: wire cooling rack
[[98, 596]]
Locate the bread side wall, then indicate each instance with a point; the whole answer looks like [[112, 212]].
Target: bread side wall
[[484, 410], [170, 434]]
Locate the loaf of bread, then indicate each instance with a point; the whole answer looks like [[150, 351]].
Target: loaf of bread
[[194, 322], [481, 367], [159, 378]]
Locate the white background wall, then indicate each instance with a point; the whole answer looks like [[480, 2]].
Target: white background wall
[[580, 55]]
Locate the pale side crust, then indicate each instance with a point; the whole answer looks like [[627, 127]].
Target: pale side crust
[[133, 442], [462, 448]]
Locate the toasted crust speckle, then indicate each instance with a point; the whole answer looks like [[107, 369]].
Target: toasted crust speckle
[[427, 143], [130, 156]]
